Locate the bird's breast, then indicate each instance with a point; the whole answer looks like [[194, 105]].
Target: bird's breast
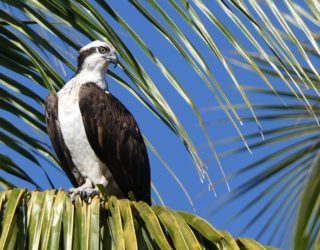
[[74, 135]]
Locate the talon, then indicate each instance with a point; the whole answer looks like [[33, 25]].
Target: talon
[[86, 192]]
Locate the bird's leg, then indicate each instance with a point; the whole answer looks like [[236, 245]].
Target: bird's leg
[[85, 191]]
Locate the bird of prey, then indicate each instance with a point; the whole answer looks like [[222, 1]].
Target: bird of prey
[[95, 137]]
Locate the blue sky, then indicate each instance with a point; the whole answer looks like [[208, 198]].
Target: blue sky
[[166, 143]]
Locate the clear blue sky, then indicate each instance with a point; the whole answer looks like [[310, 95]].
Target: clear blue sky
[[167, 144]]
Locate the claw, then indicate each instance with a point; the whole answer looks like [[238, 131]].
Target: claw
[[88, 193], [85, 194], [85, 191]]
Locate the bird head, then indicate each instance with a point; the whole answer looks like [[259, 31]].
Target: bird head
[[96, 56]]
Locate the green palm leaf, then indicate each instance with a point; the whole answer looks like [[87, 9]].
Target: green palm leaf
[[49, 220], [289, 168]]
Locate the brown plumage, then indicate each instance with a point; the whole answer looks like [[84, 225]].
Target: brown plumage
[[116, 139]]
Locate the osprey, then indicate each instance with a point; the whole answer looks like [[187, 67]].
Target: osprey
[[95, 137]]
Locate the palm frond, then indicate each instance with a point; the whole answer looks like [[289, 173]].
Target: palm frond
[[92, 25], [49, 219], [283, 174]]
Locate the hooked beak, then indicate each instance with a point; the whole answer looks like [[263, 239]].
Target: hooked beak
[[113, 59]]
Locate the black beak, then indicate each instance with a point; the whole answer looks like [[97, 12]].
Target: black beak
[[113, 59]]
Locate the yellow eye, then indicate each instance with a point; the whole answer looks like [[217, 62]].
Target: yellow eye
[[104, 50]]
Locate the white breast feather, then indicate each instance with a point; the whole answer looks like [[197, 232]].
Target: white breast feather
[[75, 138]]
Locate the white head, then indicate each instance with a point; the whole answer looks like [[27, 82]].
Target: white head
[[96, 56]]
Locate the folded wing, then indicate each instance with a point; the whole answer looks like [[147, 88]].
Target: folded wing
[[116, 139]]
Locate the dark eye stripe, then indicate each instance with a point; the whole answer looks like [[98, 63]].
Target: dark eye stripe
[[84, 54]]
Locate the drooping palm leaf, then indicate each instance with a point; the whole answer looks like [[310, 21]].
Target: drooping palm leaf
[[289, 163], [91, 23], [286, 173], [49, 78], [282, 176]]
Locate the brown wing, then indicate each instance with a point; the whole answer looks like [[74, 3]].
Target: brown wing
[[55, 135], [116, 139]]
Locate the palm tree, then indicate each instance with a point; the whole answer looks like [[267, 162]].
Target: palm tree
[[39, 40]]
